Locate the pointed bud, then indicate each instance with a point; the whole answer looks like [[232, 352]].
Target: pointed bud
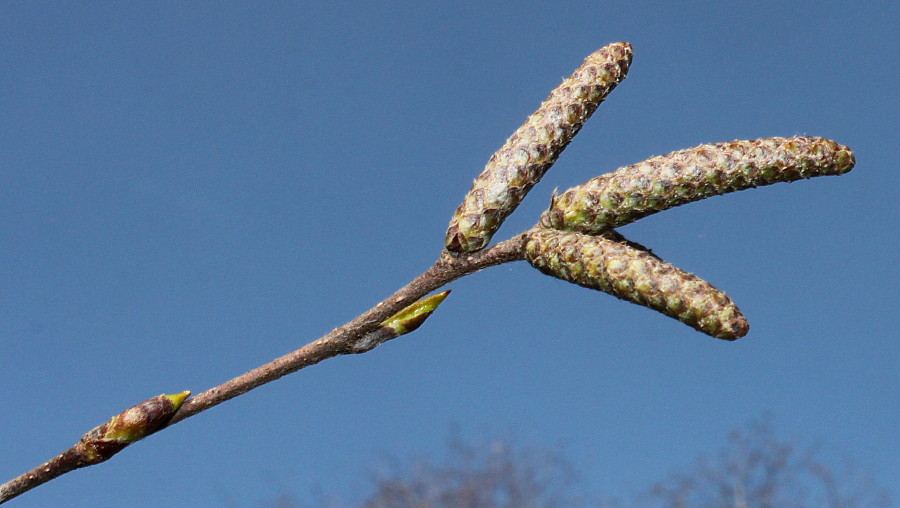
[[136, 422], [401, 323], [666, 181], [520, 163], [610, 264]]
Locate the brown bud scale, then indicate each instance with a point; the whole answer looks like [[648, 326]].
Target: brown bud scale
[[521, 162], [666, 181], [136, 422], [610, 264]]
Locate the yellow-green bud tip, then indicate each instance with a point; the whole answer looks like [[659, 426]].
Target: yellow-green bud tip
[[400, 323], [177, 399], [414, 315]]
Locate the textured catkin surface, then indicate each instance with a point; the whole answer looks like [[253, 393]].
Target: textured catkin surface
[[521, 162], [662, 182], [609, 264]]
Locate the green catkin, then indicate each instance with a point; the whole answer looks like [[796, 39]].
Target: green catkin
[[521, 162], [610, 264], [666, 181]]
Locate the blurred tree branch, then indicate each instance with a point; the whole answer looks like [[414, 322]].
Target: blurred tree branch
[[754, 469], [757, 470]]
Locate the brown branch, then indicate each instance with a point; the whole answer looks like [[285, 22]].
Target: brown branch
[[100, 443], [339, 341]]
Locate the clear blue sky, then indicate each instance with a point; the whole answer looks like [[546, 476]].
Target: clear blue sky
[[188, 190]]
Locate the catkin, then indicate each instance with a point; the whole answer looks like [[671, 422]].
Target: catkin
[[610, 264], [662, 182], [521, 162]]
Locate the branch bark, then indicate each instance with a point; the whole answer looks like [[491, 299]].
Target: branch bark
[[339, 341]]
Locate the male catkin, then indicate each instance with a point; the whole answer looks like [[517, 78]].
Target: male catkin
[[609, 264], [521, 162], [662, 182]]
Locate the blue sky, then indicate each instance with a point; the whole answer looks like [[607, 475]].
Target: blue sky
[[188, 190]]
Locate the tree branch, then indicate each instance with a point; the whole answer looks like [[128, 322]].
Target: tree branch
[[574, 241], [340, 341]]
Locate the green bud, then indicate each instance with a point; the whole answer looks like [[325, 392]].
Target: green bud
[[520, 163], [414, 315], [666, 181], [136, 422], [401, 323], [613, 265]]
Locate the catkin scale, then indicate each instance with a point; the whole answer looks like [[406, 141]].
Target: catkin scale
[[521, 162], [666, 181], [610, 264]]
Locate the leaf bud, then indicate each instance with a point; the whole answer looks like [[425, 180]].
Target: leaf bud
[[136, 422]]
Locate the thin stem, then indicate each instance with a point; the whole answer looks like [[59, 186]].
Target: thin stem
[[337, 342], [57, 466], [340, 340]]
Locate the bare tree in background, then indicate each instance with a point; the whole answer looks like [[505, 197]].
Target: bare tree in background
[[498, 477], [754, 469], [757, 470], [486, 474], [492, 474]]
